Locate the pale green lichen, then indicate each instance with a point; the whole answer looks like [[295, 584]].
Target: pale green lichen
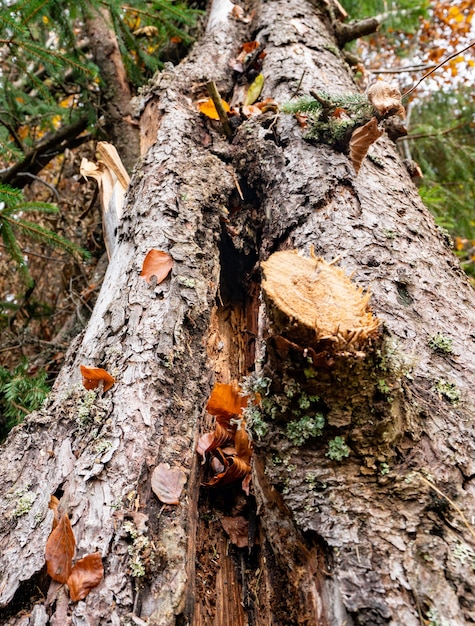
[[441, 343], [448, 390], [24, 499], [139, 551], [337, 449], [299, 431]]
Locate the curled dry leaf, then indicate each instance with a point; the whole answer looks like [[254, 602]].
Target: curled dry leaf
[[86, 574], [225, 400], [168, 483], [59, 551], [203, 445], [386, 99], [237, 469], [92, 376], [207, 108], [360, 141], [242, 443], [156, 263], [237, 528]]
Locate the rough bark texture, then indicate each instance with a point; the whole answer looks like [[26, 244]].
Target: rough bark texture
[[383, 536]]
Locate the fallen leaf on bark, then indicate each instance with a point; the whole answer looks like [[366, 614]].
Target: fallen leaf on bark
[[254, 90], [53, 505], [207, 108], [92, 376], [86, 574], [237, 529], [225, 400], [156, 263], [168, 483], [360, 141], [59, 550], [386, 99]]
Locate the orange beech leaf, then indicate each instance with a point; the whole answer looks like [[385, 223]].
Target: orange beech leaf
[[217, 466], [156, 263], [168, 483], [92, 376], [59, 550], [237, 529], [225, 400], [207, 108], [86, 574], [53, 505], [242, 443], [360, 141], [237, 468]]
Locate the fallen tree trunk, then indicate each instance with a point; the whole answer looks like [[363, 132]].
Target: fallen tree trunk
[[362, 498]]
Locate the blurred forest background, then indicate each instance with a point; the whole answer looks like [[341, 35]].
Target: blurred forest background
[[67, 76]]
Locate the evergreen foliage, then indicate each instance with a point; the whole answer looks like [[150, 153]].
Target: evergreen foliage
[[47, 77], [20, 393], [397, 16], [442, 142], [12, 221]]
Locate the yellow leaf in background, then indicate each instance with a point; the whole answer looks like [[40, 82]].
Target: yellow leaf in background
[[45, 19], [207, 108], [254, 90]]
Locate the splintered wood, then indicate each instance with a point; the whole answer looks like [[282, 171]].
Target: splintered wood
[[317, 296]]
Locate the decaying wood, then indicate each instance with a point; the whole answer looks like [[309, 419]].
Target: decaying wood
[[363, 540]]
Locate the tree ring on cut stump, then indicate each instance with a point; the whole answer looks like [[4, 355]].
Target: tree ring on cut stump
[[312, 302]]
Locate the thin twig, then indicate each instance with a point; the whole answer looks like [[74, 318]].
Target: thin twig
[[451, 502], [216, 98], [40, 180], [401, 70], [452, 56], [297, 89]]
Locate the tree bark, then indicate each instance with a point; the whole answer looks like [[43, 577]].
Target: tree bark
[[383, 536]]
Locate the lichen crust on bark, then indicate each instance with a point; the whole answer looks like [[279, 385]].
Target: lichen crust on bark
[[317, 296]]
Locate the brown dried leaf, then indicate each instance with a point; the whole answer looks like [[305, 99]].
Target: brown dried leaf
[[360, 141], [237, 529], [53, 505], [386, 99], [156, 263], [242, 443], [92, 376], [246, 484], [204, 443], [225, 400], [59, 550], [168, 483], [237, 469], [86, 574]]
